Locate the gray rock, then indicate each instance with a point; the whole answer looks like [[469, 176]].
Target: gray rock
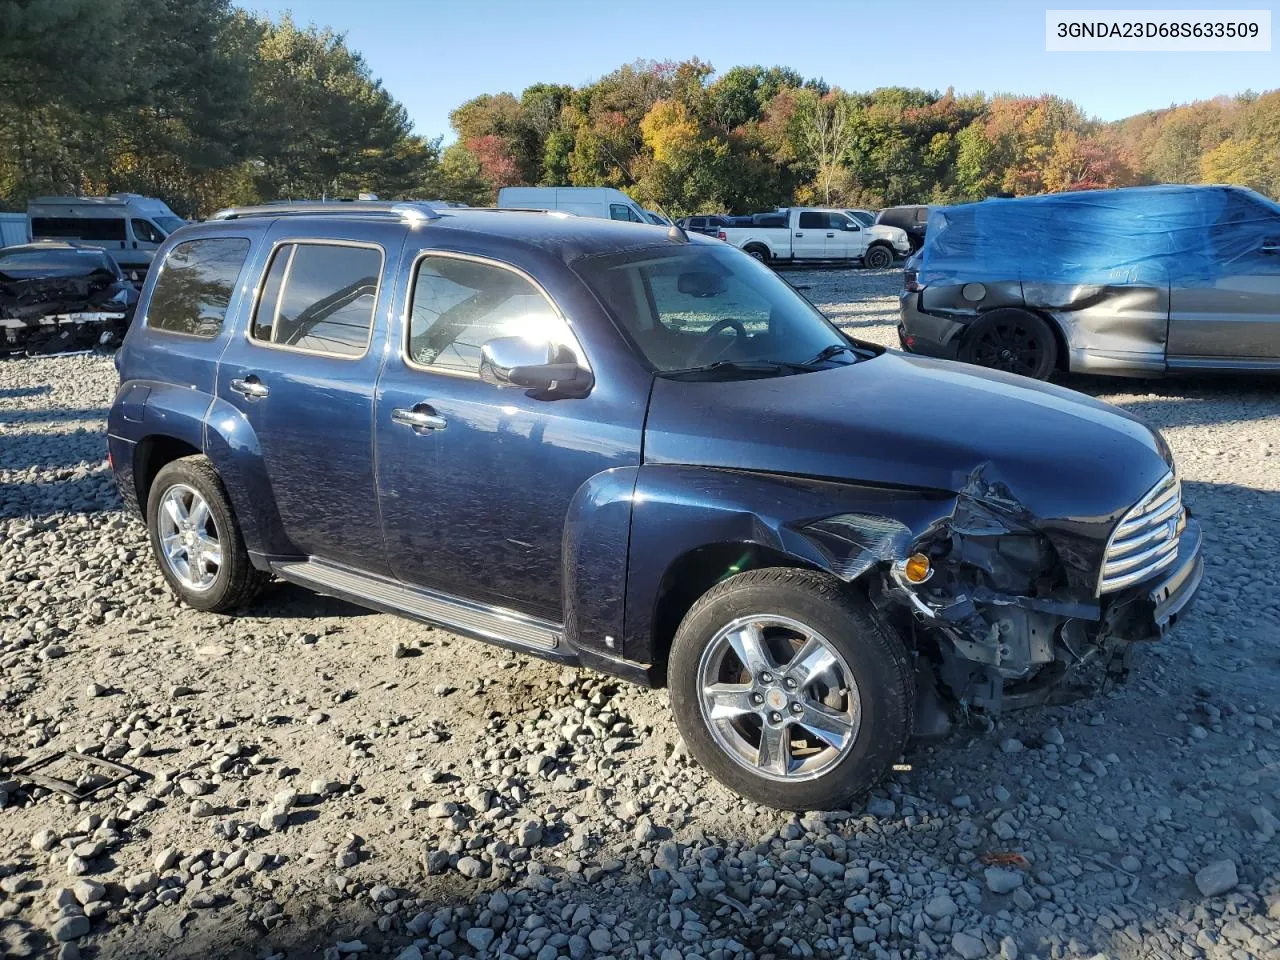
[[668, 857], [530, 833], [940, 907], [881, 807], [1002, 881], [70, 928], [827, 869], [471, 867], [1011, 745], [600, 939], [86, 891], [969, 946], [44, 840], [140, 883], [1216, 878], [480, 938]]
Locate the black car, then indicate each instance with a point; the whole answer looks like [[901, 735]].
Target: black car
[[57, 292], [709, 224], [913, 218]]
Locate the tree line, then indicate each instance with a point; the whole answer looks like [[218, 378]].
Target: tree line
[[206, 105]]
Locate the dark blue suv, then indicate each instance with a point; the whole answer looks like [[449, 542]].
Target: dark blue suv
[[638, 450]]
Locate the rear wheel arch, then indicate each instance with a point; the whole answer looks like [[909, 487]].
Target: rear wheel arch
[[151, 455], [758, 250], [691, 575], [1060, 359]]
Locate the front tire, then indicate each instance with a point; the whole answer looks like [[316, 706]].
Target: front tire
[[1011, 340], [196, 540], [789, 690], [878, 258]]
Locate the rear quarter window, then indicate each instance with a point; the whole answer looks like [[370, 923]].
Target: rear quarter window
[[194, 288]]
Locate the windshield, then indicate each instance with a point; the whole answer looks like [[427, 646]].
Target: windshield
[[168, 224], [862, 216], [692, 305]]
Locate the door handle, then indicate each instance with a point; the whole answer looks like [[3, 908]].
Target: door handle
[[421, 418], [799, 234], [1270, 246], [830, 234], [251, 388]]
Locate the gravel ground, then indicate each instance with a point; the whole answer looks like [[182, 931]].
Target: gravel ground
[[321, 781]]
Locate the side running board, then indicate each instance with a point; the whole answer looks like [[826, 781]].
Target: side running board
[[465, 616]]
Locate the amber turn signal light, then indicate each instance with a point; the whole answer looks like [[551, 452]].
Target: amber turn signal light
[[917, 568]]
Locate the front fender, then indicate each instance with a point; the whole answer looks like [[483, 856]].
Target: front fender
[[594, 562], [680, 509]]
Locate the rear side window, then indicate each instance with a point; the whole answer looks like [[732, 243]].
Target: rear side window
[[319, 297], [812, 220], [195, 284], [459, 305]]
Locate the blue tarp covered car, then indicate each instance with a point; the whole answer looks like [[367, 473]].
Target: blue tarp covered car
[[1136, 281]]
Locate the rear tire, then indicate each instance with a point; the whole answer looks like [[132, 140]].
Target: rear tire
[[1011, 340], [877, 257], [757, 252], [196, 540], [791, 731]]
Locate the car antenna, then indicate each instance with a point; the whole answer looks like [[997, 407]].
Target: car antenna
[[676, 234]]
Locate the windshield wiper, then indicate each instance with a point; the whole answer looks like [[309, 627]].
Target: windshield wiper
[[759, 367], [828, 352]]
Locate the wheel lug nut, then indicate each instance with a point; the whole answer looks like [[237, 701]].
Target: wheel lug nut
[[797, 708], [789, 683], [766, 677], [775, 718], [757, 698]]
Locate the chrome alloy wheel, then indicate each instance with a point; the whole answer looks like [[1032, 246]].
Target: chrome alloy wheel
[[778, 698], [189, 538]]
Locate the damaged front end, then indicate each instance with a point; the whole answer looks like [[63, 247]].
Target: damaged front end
[[59, 299], [1001, 606]]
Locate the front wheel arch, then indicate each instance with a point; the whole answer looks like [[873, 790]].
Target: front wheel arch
[[881, 249], [695, 572]]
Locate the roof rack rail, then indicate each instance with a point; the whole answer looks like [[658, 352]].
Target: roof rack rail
[[408, 210]]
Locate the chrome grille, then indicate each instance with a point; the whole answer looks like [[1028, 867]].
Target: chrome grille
[[1146, 539]]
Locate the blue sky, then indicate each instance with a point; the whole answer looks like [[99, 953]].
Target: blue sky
[[434, 54]]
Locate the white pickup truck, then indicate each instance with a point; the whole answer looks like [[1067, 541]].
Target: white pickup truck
[[814, 234]]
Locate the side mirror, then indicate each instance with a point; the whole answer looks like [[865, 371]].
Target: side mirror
[[536, 365]]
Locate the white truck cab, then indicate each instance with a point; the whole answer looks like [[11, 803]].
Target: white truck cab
[[128, 226], [809, 234], [604, 203]]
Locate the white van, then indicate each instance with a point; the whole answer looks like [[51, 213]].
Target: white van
[[128, 226], [604, 203]]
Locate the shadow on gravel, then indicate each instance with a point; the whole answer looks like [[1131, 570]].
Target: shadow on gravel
[[90, 493], [7, 393], [52, 451], [52, 415], [287, 601], [1185, 402]]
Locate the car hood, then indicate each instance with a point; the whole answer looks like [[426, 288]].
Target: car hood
[[895, 235], [916, 423]]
